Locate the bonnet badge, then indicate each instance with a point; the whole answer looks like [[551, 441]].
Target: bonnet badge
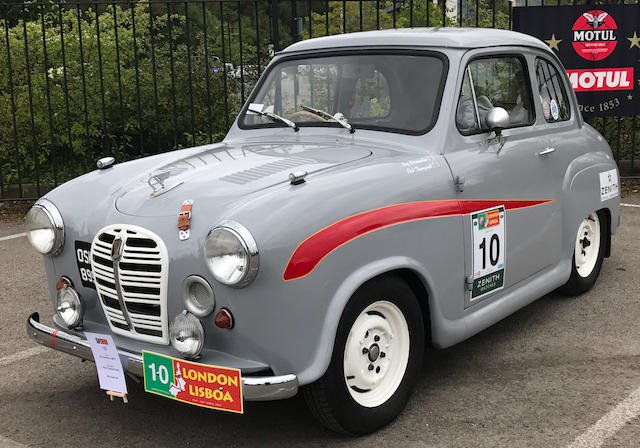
[[184, 220], [116, 248]]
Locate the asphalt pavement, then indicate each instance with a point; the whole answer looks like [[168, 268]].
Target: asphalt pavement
[[561, 371]]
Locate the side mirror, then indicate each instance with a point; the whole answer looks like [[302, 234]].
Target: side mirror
[[497, 119]]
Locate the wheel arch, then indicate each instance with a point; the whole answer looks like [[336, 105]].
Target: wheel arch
[[607, 244], [582, 196], [412, 272], [417, 285]]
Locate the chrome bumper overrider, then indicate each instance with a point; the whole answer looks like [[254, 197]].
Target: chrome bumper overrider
[[254, 388]]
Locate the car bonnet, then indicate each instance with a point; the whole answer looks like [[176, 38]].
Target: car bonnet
[[223, 173]]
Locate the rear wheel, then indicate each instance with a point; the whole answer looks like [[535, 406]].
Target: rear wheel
[[376, 360], [588, 254]]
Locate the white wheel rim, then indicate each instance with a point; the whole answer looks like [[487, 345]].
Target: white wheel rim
[[587, 245], [376, 354]]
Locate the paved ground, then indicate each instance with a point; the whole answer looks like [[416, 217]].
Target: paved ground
[[556, 371]]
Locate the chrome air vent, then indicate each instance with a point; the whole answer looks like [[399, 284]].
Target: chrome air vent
[[266, 169], [130, 266]]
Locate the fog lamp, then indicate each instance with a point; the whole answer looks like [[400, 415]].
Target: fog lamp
[[187, 335], [69, 306]]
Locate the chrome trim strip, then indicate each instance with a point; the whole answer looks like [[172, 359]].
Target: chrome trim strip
[[254, 388], [267, 388], [115, 258], [473, 95]]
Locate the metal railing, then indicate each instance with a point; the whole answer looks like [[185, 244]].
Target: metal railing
[[84, 79]]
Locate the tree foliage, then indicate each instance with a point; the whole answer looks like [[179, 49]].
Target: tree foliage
[[135, 79], [130, 82]]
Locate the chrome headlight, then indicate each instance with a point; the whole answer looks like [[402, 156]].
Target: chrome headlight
[[231, 254], [44, 227], [187, 335], [69, 307]]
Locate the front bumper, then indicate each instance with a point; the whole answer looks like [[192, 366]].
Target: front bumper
[[254, 388]]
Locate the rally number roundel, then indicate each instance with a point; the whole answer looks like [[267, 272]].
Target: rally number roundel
[[594, 35]]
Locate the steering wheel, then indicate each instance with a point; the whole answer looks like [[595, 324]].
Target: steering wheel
[[303, 115]]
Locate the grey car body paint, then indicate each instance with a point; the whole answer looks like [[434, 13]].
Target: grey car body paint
[[290, 326]]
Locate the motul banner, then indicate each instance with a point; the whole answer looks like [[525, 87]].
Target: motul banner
[[599, 46]]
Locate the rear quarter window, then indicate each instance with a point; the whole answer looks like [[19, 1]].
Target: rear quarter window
[[552, 94]]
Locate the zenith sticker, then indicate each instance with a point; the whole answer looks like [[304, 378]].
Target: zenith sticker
[[489, 244], [608, 185]]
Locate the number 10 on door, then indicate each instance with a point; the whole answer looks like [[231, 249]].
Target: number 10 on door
[[489, 246]]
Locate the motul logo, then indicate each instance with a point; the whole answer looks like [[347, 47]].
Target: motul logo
[[595, 35], [601, 79]]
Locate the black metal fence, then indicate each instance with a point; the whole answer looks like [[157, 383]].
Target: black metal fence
[[83, 79]]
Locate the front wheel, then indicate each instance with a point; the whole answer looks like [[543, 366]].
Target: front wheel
[[376, 360], [588, 254]]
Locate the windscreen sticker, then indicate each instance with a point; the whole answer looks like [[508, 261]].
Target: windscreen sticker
[[489, 245], [555, 110], [254, 107], [608, 185], [546, 109]]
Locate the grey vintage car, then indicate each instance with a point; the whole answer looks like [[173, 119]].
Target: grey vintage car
[[378, 192]]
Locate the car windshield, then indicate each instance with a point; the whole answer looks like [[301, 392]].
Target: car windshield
[[392, 92]]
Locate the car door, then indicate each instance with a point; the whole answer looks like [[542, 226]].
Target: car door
[[506, 190]]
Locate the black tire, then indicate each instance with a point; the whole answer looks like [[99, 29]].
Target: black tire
[[329, 399], [577, 284]]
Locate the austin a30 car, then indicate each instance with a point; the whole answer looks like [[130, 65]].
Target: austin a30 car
[[379, 192]]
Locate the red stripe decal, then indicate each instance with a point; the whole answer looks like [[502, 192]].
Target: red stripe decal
[[53, 338], [316, 247]]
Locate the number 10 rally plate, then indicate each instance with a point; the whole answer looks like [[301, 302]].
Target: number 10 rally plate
[[489, 247], [199, 384]]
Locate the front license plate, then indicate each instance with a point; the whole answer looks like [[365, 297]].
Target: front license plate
[[83, 258], [207, 386]]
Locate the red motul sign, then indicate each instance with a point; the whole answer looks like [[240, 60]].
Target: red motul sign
[[594, 35], [594, 80]]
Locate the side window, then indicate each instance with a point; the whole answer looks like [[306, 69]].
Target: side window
[[494, 82], [553, 96]]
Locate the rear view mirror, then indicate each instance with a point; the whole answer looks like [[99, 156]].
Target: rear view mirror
[[497, 119]]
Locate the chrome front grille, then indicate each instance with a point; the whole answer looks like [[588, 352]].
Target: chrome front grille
[[130, 268]]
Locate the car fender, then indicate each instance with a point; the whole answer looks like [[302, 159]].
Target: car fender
[[344, 292], [582, 194]]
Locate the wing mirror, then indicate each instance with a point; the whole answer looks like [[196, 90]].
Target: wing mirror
[[497, 119]]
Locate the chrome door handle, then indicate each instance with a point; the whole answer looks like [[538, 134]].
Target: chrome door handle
[[547, 150]]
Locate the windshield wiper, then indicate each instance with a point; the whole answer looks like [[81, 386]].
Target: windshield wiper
[[327, 115], [274, 117]]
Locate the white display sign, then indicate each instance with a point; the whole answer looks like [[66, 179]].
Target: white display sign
[[105, 354]]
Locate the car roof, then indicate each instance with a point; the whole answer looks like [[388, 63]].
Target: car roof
[[427, 37]]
